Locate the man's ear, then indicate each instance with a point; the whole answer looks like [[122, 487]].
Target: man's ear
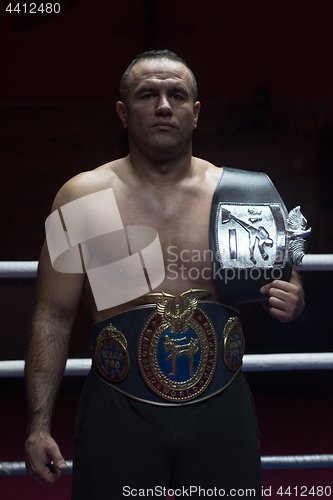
[[122, 113], [197, 107]]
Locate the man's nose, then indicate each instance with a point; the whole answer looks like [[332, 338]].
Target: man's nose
[[163, 106]]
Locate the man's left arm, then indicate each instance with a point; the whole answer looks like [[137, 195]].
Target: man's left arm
[[285, 299]]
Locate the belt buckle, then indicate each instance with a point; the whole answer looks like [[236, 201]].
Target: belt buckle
[[177, 348]]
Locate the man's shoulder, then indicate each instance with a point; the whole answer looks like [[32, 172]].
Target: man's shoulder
[[211, 171], [87, 183], [204, 163]]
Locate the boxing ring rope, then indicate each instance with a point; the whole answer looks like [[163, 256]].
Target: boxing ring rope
[[281, 462], [251, 362], [28, 269], [17, 269]]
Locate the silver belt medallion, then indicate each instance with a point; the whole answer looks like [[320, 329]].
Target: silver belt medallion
[[259, 235]]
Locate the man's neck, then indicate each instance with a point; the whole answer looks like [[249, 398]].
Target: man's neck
[[160, 172]]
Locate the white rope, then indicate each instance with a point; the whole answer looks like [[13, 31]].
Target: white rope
[[12, 468], [25, 269], [251, 363], [268, 462], [317, 262], [15, 368], [28, 269], [296, 461], [18, 468], [288, 361]]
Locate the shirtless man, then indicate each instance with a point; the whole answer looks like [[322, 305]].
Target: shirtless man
[[162, 186]]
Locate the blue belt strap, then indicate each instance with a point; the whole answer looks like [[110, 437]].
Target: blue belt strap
[[130, 324]]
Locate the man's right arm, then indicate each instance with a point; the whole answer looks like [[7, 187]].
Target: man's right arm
[[57, 298]]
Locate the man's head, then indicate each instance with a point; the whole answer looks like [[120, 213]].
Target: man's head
[[158, 106], [153, 55]]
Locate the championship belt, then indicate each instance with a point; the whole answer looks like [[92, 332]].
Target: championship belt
[[167, 354], [252, 237]]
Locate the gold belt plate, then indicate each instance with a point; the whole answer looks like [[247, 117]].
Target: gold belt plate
[[111, 354], [177, 348]]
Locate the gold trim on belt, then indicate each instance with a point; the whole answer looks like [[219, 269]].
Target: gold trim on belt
[[177, 348]]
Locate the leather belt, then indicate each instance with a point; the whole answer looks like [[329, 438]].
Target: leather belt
[[249, 235], [165, 354]]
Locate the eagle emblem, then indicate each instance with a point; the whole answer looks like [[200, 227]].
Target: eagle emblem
[[177, 318], [177, 349], [297, 232]]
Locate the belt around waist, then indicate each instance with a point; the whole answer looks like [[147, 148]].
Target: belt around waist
[[165, 356]]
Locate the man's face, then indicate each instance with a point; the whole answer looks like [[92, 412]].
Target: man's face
[[160, 113]]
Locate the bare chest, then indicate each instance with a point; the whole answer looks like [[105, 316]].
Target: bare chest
[[181, 219]]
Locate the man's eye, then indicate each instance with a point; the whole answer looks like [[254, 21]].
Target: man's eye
[[177, 96], [147, 96]]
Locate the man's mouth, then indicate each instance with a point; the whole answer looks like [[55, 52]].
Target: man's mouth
[[163, 125]]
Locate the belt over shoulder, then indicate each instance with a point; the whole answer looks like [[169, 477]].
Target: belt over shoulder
[[248, 235]]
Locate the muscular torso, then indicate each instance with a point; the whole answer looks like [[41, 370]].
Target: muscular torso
[[179, 212]]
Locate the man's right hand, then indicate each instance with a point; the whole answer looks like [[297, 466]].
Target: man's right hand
[[44, 461]]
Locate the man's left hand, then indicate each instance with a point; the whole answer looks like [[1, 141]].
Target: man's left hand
[[286, 300]]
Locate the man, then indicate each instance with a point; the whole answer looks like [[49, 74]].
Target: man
[[160, 437]]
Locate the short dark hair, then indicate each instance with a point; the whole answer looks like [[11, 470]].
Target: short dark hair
[[154, 54]]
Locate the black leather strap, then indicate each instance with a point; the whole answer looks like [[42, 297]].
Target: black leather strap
[[241, 186]]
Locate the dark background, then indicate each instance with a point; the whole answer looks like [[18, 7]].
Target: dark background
[[264, 71], [265, 78]]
